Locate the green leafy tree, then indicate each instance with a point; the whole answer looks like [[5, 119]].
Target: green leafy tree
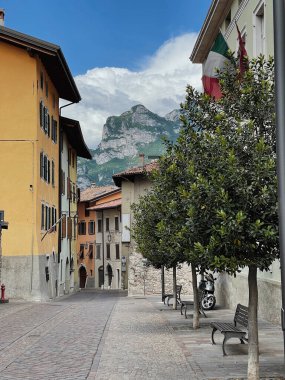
[[230, 187]]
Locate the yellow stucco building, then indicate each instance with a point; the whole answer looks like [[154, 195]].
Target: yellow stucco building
[[34, 75]]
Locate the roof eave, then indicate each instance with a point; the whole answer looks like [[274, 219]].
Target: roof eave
[[217, 13], [46, 51], [75, 137]]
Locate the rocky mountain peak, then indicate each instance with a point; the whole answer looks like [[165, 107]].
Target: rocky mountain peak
[[135, 131]]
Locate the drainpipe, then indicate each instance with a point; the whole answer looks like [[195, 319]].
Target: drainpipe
[[59, 177], [103, 249], [279, 54]]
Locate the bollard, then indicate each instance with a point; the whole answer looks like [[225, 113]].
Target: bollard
[[3, 300], [2, 292]]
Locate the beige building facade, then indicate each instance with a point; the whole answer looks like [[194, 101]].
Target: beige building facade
[[138, 278]]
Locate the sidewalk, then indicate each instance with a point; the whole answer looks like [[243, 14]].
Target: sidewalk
[[146, 339], [207, 360]]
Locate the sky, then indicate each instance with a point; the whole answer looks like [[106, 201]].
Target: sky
[[120, 52]]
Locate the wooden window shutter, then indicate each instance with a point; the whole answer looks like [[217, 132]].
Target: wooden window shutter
[[55, 131], [41, 164], [69, 228], [41, 113], [68, 188], [48, 171], [48, 125], [63, 227], [52, 173]]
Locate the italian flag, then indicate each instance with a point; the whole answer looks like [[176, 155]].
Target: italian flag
[[218, 58]]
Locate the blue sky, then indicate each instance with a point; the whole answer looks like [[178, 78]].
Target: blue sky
[[121, 52]]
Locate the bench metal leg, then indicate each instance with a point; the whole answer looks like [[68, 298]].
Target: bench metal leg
[[224, 342], [213, 332]]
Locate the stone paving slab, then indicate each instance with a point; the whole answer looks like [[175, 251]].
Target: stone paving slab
[[207, 360], [99, 335]]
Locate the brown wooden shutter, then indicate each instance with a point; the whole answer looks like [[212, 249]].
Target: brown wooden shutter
[[68, 188], [63, 227], [69, 228]]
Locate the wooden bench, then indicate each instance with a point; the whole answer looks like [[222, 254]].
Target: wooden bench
[[170, 295], [230, 330], [185, 304]]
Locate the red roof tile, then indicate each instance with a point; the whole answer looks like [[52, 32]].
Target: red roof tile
[[147, 168], [94, 191], [106, 205]]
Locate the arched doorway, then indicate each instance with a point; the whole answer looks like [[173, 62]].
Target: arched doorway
[[101, 276], [82, 277], [110, 274]]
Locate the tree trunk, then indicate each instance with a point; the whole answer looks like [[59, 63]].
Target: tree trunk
[[196, 319], [162, 283], [174, 288], [253, 346]]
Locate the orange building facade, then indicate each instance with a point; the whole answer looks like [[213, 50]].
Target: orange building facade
[[91, 248]]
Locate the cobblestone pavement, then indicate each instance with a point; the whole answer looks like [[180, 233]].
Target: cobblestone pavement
[[99, 335]]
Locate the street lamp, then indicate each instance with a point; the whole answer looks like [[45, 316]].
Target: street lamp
[[279, 55]]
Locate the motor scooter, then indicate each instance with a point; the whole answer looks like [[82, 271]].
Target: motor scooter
[[207, 286]]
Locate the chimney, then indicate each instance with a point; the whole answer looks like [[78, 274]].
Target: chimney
[[141, 156], [2, 14]]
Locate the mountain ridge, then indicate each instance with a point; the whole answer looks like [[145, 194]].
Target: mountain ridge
[[124, 137]]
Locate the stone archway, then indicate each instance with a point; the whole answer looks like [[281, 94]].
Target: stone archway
[[82, 276]]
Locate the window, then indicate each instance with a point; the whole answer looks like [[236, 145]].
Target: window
[[73, 159], [53, 130], [259, 32], [53, 101], [63, 227], [43, 217], [117, 251], [228, 20], [42, 121], [81, 251], [82, 228], [52, 173], [87, 212], [41, 165], [108, 251], [99, 225], [90, 253], [48, 171], [62, 182], [116, 223], [107, 224], [91, 227], [53, 217], [74, 228], [69, 228], [42, 80], [45, 168], [68, 192], [46, 218], [46, 88], [98, 252]]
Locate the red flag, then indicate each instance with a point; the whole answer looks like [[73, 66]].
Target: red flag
[[242, 54]]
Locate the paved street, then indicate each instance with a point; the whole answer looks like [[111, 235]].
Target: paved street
[[105, 335]]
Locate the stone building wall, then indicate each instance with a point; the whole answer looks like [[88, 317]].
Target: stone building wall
[[147, 280]]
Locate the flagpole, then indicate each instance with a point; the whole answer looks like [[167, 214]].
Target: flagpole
[[52, 227], [279, 56]]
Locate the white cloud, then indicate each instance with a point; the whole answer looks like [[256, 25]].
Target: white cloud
[[159, 85]]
